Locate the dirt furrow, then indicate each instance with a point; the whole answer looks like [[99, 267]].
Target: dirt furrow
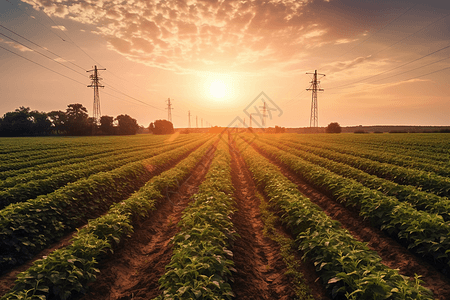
[[133, 271], [258, 261], [393, 254], [7, 279]]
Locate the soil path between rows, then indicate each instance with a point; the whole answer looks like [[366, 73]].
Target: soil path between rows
[[258, 261], [392, 253], [133, 271], [7, 280]]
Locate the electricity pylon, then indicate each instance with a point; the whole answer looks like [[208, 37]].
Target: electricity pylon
[[314, 120], [264, 114], [96, 114], [169, 110], [189, 116]]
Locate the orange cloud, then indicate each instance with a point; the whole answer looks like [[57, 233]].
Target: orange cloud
[[231, 35]]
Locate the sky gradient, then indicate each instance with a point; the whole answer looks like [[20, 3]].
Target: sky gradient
[[386, 62]]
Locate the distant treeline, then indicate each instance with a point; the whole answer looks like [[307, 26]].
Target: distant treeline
[[74, 121]]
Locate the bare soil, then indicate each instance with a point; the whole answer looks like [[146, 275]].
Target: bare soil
[[259, 264], [135, 268], [393, 255], [7, 279]]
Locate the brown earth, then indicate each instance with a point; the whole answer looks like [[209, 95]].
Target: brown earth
[[133, 271], [392, 253], [259, 264], [7, 280], [135, 268]]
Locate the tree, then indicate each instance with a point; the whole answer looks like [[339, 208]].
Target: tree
[[162, 127], [24, 122], [58, 118], [333, 128], [77, 120], [41, 125], [279, 129], [126, 125], [107, 125], [17, 123]]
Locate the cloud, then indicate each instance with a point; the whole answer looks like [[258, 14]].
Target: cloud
[[15, 45], [60, 27], [228, 35], [340, 66]]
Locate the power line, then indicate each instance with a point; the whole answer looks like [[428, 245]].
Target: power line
[[411, 34], [12, 31], [381, 29], [42, 65], [426, 65], [56, 72], [41, 54], [62, 63], [411, 78], [72, 42], [140, 101], [68, 37], [395, 68], [35, 19]]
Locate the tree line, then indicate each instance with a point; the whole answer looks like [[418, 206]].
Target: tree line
[[74, 121]]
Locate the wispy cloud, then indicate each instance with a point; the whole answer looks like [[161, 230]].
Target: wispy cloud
[[15, 45], [222, 35], [199, 35], [60, 27]]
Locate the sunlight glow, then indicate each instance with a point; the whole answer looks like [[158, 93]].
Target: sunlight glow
[[218, 89]]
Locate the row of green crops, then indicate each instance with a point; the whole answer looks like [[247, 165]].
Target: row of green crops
[[201, 263], [418, 147], [423, 233], [73, 156], [67, 271], [346, 266], [426, 180], [88, 145], [31, 157], [381, 155], [22, 146], [29, 186], [420, 200], [28, 227], [434, 143]]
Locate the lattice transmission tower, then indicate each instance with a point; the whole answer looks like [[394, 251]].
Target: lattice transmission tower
[[189, 117], [264, 114], [169, 110], [314, 120], [95, 83]]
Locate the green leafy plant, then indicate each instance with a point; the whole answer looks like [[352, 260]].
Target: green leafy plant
[[346, 266]]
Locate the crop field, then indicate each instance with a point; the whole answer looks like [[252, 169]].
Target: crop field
[[230, 216]]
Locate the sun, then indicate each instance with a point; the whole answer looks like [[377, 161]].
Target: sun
[[218, 89]]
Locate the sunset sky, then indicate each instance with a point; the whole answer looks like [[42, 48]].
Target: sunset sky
[[387, 62]]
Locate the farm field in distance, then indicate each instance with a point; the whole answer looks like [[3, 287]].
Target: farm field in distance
[[229, 216]]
